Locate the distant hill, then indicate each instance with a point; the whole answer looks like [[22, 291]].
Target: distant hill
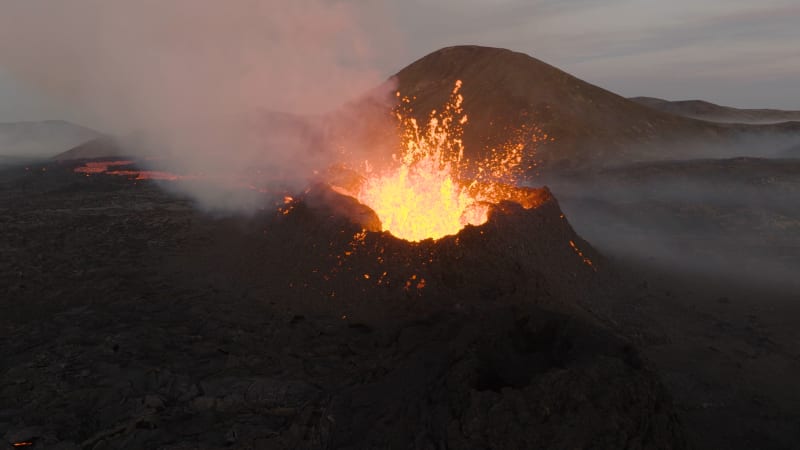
[[41, 139], [100, 147], [504, 90], [592, 126], [699, 109]]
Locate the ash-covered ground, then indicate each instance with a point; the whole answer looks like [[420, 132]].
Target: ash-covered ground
[[130, 319]]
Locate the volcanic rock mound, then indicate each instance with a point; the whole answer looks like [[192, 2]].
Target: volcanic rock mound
[[339, 253]]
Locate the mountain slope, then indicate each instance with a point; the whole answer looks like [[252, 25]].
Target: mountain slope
[[503, 90], [41, 139], [100, 147], [699, 109]]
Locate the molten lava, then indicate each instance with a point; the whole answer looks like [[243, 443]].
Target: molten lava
[[102, 167], [424, 196]]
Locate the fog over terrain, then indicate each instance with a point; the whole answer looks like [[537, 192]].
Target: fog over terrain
[[727, 212], [730, 220]]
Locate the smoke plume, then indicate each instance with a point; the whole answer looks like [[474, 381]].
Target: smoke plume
[[212, 86]]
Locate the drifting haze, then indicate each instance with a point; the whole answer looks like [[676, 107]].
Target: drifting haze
[[729, 220], [198, 80]]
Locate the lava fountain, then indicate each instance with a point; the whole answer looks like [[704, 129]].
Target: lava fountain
[[424, 196]]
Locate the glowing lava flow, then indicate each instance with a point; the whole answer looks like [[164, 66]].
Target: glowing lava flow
[[425, 197], [102, 167]]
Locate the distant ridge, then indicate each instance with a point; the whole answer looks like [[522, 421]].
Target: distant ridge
[[101, 147], [703, 110], [41, 139]]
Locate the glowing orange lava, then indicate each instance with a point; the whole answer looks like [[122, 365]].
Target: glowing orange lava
[[102, 167], [425, 197]]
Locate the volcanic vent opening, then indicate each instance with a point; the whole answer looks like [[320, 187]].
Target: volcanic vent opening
[[425, 193]]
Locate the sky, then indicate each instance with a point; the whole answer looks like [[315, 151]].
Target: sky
[[732, 52]]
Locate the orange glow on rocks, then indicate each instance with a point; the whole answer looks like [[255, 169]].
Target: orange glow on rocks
[[425, 196], [102, 167]]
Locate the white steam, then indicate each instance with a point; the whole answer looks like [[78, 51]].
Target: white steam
[[202, 81]]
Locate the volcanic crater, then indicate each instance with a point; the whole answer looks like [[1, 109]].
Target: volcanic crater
[[301, 328], [520, 252]]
